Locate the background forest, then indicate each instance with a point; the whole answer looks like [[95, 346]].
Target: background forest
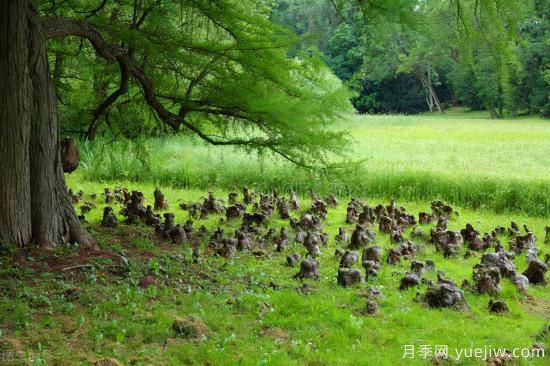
[[396, 64]]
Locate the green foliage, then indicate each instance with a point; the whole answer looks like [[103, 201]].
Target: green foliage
[[484, 54], [220, 67], [344, 53], [399, 94], [7, 248], [318, 18], [532, 83]]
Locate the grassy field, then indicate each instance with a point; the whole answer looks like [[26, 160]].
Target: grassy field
[[464, 158], [70, 307], [251, 305]]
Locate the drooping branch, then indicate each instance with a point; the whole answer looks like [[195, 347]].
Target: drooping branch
[[206, 12], [199, 78], [59, 27], [204, 73], [177, 108], [201, 106], [137, 22], [289, 158], [104, 106]]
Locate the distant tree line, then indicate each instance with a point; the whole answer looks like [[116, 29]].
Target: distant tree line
[[414, 56]]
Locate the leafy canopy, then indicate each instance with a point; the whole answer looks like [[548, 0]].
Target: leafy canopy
[[217, 69]]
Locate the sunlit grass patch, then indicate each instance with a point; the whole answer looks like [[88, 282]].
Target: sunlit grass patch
[[463, 158]]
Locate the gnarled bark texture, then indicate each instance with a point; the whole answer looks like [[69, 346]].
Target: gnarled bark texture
[[34, 204]]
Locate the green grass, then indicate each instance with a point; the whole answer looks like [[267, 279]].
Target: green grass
[[464, 158], [493, 171], [250, 323]]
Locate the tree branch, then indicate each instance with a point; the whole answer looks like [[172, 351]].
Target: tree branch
[[93, 12], [58, 27], [122, 89], [143, 16]]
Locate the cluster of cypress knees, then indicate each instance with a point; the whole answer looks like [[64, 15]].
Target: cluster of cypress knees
[[255, 212]]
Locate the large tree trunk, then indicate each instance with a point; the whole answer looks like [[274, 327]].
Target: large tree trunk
[[34, 204]]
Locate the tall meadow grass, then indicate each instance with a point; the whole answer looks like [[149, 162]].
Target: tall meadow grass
[[464, 159]]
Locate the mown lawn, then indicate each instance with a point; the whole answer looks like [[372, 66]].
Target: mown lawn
[[256, 313]]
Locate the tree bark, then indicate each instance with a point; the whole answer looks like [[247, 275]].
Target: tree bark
[[58, 70], [34, 204], [15, 124]]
